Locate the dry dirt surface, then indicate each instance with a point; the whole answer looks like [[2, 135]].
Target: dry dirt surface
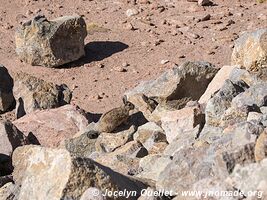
[[121, 51]]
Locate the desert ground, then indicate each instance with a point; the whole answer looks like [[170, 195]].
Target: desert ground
[[122, 51]]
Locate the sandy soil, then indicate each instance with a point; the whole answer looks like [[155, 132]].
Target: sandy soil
[[164, 30]]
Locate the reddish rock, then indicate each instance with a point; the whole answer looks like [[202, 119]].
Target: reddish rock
[[52, 126]]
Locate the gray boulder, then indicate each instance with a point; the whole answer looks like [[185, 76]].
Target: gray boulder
[[51, 43]]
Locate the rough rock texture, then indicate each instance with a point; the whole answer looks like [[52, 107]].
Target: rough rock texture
[[188, 80], [152, 165], [51, 43], [220, 102], [255, 174], [261, 147], [177, 122], [33, 93], [151, 136], [10, 139], [251, 50], [216, 83], [9, 192], [6, 93], [50, 127], [54, 174], [124, 159], [108, 142]]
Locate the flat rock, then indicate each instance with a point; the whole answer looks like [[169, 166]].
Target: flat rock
[[50, 127], [51, 43]]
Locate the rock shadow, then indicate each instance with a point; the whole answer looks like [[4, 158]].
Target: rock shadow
[[97, 51]]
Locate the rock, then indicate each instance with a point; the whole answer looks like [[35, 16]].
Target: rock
[[152, 165], [204, 2], [251, 50], [216, 83], [188, 166], [150, 134], [11, 138], [131, 12], [45, 173], [220, 102], [255, 174], [108, 142], [6, 86], [211, 133], [189, 80], [184, 140], [5, 179], [82, 144], [9, 192], [33, 93], [261, 147], [124, 159], [50, 127], [255, 116], [177, 122], [51, 43]]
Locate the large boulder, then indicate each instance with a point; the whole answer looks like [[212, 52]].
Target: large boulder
[[45, 173], [251, 50], [188, 81], [10, 139], [6, 87], [50, 127], [33, 93], [51, 43]]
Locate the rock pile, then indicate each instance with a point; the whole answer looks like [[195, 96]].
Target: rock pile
[[194, 128]]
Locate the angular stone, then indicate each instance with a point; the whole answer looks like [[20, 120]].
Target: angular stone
[[189, 80], [152, 165], [50, 127], [33, 93], [177, 122], [261, 147], [220, 102], [216, 83], [255, 174], [51, 43], [251, 50], [108, 142], [45, 173], [10, 139], [149, 134], [6, 86], [124, 159]]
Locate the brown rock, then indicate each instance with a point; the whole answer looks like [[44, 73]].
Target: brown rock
[[261, 147]]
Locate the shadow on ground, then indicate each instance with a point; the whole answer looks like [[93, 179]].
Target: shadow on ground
[[97, 51]]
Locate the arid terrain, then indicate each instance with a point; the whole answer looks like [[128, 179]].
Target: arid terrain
[[121, 51]]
